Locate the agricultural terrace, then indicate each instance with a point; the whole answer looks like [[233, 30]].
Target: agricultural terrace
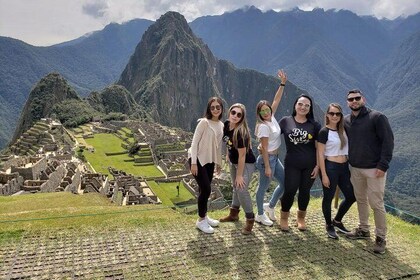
[[104, 143]]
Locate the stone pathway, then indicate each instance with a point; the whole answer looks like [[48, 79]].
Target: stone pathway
[[182, 252]]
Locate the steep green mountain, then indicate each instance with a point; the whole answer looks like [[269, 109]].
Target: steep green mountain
[[49, 91], [173, 73], [399, 86], [88, 63]]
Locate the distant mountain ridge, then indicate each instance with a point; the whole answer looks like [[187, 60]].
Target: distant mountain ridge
[[247, 37]]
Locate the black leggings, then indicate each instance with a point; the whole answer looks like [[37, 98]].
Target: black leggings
[[294, 179], [203, 178], [339, 174]]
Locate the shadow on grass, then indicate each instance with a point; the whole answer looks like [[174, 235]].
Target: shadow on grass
[[307, 255], [209, 251]]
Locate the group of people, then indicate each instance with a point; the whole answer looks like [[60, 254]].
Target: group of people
[[350, 152]]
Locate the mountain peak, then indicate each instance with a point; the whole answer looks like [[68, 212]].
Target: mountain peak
[[50, 90]]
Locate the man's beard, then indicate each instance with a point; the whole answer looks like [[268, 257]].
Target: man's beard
[[355, 109]]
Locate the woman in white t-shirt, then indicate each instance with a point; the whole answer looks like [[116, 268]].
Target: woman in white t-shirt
[[332, 158], [268, 164]]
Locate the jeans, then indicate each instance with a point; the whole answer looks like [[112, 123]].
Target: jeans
[[370, 190], [277, 172], [338, 174], [241, 197]]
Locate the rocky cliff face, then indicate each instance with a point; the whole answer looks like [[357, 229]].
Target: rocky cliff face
[[173, 73], [114, 98], [49, 91]]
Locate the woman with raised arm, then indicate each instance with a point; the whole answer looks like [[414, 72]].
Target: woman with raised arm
[[268, 164], [300, 131], [333, 150], [204, 156], [242, 164]]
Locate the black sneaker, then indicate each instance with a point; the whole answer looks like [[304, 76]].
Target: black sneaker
[[340, 227], [331, 232], [358, 233], [380, 245]]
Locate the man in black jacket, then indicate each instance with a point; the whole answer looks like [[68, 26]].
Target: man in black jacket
[[371, 143]]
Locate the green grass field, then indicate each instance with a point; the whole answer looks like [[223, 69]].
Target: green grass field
[[168, 193], [109, 143], [65, 212]]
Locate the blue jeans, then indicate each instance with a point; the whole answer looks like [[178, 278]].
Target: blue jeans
[[277, 171]]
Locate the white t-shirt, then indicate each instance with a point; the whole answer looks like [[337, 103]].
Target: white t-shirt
[[272, 131], [332, 142]]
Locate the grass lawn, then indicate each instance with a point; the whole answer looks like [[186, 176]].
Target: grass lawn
[[105, 142], [154, 241], [65, 211], [168, 193]]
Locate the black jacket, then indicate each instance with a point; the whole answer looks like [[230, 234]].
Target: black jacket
[[371, 141]]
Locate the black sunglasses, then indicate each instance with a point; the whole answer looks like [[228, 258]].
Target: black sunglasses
[[351, 99], [238, 114], [217, 107], [332, 114]]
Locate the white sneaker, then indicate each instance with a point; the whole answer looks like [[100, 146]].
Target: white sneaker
[[263, 219], [204, 226], [212, 222], [270, 211]]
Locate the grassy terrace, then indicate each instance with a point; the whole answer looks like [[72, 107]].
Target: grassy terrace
[[109, 143], [65, 236]]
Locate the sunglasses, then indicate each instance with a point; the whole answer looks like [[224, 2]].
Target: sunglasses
[[332, 114], [351, 99], [238, 114], [265, 111], [307, 106], [217, 107]]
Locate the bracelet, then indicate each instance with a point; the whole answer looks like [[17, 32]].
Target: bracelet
[[282, 84]]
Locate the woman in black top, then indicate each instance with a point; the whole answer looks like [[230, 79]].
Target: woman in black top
[[300, 165], [242, 164]]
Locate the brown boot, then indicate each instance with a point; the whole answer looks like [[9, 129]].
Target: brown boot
[[284, 221], [248, 226], [232, 217], [301, 220]]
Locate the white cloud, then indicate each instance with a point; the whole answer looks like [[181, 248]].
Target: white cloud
[[46, 22]]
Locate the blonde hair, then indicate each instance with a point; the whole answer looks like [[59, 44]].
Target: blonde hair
[[340, 124], [241, 128]]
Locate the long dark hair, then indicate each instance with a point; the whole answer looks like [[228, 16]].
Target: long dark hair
[[310, 114], [208, 114]]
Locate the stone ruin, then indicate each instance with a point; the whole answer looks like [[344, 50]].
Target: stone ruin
[[134, 190]]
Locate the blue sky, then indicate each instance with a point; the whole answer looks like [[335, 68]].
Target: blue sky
[[47, 22]]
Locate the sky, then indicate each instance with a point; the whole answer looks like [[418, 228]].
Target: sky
[[48, 22]]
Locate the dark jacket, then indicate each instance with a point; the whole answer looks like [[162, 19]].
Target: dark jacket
[[371, 141]]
